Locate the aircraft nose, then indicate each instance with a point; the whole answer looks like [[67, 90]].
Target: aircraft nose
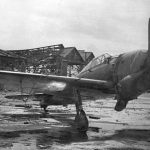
[[120, 105]]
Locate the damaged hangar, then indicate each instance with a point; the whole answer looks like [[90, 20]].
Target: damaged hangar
[[54, 59], [11, 62]]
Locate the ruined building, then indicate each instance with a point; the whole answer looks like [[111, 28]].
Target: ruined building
[[54, 59], [11, 62]]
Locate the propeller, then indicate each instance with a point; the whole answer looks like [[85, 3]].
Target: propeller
[[149, 37], [133, 85], [148, 57]]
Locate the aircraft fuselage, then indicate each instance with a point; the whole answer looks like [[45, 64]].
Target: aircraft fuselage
[[116, 68], [129, 72]]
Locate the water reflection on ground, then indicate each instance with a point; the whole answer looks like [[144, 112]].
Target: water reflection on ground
[[67, 138], [61, 138], [29, 129]]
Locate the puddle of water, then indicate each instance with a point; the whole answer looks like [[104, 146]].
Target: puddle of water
[[67, 138]]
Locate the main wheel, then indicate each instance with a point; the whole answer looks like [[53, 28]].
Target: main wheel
[[81, 121]]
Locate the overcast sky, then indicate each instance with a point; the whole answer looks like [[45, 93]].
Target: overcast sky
[[112, 26]]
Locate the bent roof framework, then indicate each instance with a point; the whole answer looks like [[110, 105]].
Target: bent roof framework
[[70, 54]]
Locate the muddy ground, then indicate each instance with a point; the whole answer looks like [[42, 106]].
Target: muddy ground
[[29, 129]]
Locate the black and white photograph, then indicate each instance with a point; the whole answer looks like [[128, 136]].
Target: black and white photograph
[[75, 75]]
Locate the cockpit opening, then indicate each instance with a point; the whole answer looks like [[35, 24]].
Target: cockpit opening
[[103, 59]]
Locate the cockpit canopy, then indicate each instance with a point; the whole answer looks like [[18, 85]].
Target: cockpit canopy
[[103, 59]]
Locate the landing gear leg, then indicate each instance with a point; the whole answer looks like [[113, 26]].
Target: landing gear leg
[[44, 103], [81, 121]]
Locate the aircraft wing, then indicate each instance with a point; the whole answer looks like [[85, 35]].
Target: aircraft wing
[[38, 83]]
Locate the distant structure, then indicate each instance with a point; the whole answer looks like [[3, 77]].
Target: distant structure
[[73, 60], [54, 59], [43, 60], [86, 56], [11, 62]]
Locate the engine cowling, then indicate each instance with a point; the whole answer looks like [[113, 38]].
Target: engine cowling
[[131, 86]]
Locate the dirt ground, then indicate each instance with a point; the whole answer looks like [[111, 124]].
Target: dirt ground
[[29, 129]]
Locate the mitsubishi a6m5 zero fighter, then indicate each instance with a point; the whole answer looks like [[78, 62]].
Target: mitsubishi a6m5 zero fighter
[[127, 76]]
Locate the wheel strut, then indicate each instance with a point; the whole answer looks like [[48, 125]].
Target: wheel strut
[[44, 103]]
